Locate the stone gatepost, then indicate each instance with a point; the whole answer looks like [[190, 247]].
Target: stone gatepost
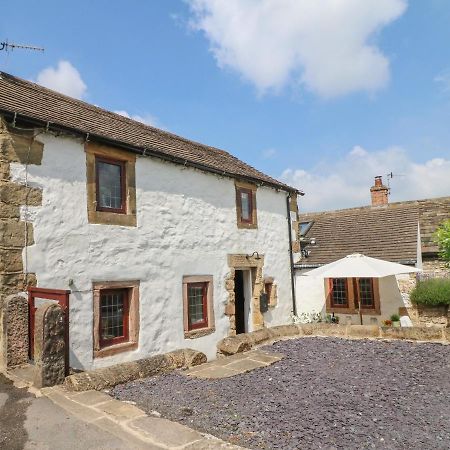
[[49, 346], [14, 332]]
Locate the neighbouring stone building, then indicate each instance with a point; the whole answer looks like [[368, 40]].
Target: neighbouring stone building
[[401, 232], [150, 242]]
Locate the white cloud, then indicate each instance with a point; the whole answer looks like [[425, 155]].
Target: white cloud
[[65, 79], [345, 183], [443, 78], [326, 45], [269, 153], [148, 119]]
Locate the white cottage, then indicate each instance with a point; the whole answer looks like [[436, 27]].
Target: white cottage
[[401, 232], [150, 241]]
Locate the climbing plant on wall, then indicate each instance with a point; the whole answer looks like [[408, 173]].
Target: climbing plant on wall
[[443, 240]]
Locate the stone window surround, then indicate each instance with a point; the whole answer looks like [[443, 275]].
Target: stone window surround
[[253, 224], [133, 317], [128, 218], [210, 328], [352, 307], [244, 262]]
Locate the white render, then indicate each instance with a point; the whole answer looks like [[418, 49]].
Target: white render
[[310, 299], [186, 226]]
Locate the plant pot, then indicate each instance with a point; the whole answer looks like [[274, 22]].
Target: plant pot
[[396, 324]]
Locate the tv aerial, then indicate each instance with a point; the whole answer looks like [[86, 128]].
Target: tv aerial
[[390, 176], [9, 46]]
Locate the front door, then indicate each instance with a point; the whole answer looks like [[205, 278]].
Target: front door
[[242, 300]]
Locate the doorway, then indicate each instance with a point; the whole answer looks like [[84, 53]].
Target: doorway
[[242, 295]]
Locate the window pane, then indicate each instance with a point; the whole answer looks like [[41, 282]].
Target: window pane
[[366, 292], [112, 315], [339, 291], [109, 185], [195, 303], [246, 211]]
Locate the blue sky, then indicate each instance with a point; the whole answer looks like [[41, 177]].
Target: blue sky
[[324, 95]]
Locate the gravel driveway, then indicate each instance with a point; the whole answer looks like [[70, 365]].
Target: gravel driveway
[[326, 393]]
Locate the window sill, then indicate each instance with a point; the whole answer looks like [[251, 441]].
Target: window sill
[[248, 226], [115, 349], [194, 334], [337, 310]]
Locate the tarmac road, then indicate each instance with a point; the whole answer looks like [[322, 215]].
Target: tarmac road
[[27, 422]]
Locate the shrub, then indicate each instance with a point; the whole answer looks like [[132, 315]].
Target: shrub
[[443, 240], [395, 318], [432, 292]]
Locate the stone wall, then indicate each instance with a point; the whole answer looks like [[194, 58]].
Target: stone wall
[[435, 267], [15, 147], [245, 342], [16, 234], [14, 344], [49, 346]]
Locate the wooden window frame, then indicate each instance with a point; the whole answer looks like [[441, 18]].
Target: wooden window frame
[[119, 345], [250, 189], [208, 325], [126, 318], [204, 322], [125, 216], [358, 287], [353, 298], [123, 185], [343, 306]]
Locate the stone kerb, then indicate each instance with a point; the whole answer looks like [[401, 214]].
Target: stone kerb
[[107, 377], [14, 328], [49, 346], [245, 342]]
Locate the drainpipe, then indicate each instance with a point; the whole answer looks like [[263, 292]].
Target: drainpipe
[[291, 256]]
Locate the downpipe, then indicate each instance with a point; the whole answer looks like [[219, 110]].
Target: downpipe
[[291, 256]]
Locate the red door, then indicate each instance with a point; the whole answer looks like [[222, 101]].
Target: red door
[[57, 295]]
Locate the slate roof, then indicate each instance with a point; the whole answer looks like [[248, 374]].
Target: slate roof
[[386, 232], [31, 101]]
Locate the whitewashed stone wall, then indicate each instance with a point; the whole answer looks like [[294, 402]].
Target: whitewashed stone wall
[[186, 226]]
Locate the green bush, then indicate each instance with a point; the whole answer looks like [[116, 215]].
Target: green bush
[[433, 292], [395, 318]]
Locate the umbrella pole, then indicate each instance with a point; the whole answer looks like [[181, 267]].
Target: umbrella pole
[[359, 300]]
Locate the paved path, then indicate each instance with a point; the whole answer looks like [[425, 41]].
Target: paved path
[[55, 419], [234, 365]]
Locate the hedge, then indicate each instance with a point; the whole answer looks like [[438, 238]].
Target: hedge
[[432, 292]]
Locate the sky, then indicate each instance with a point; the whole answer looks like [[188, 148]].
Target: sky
[[321, 94]]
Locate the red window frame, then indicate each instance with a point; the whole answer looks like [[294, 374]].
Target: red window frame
[[268, 288], [126, 318], [333, 305], [358, 287], [121, 164], [204, 323], [250, 204]]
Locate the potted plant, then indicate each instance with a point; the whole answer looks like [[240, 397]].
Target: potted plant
[[395, 318], [387, 323]]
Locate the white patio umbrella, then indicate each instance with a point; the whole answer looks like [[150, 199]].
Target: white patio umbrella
[[360, 266]]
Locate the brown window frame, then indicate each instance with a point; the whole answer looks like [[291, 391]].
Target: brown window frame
[[207, 326], [358, 293], [333, 305], [101, 347], [123, 187], [126, 318], [204, 323], [241, 191], [250, 190]]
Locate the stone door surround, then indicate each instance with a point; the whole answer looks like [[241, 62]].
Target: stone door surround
[[245, 262]]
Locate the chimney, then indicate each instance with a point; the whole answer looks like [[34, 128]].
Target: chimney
[[379, 193]]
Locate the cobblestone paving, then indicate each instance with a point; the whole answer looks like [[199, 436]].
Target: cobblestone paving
[[326, 393]]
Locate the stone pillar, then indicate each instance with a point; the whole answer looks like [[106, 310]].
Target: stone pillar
[[49, 346], [14, 332]]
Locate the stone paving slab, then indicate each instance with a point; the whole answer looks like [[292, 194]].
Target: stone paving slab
[[234, 365], [90, 398], [119, 410], [164, 432]]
